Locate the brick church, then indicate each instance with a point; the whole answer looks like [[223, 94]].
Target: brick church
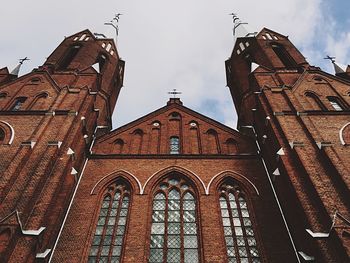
[[175, 185]]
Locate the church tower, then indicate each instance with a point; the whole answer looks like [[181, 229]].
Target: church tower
[[300, 118], [48, 120]]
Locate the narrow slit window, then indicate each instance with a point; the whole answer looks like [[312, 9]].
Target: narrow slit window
[[174, 230], [108, 240], [241, 244], [284, 56], [174, 145]]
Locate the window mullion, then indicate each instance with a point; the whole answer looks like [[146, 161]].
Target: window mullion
[[182, 238], [166, 224]]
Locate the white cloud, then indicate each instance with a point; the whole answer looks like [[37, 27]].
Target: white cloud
[[167, 44]]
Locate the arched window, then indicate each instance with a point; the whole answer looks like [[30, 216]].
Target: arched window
[[231, 146], [17, 105], [68, 57], [284, 56], [174, 231], [315, 99], [2, 136], [336, 103], [241, 244], [101, 60], [118, 146], [107, 244], [38, 101], [2, 96], [174, 145]]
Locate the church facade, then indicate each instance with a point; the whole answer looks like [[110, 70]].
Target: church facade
[[174, 185]]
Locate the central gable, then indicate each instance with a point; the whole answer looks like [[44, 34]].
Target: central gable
[[174, 129]]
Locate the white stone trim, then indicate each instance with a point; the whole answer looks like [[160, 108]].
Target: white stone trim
[[116, 172], [178, 168], [12, 131], [341, 134], [232, 172]]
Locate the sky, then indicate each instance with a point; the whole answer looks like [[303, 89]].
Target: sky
[[168, 45]]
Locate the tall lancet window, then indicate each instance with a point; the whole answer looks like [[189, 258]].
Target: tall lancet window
[[174, 231], [107, 244], [241, 244]]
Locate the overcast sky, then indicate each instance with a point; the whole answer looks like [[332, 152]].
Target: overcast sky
[[169, 45]]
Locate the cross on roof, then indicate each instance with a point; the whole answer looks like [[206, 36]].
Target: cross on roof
[[174, 92]]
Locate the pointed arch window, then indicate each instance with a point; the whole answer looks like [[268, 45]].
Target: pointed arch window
[[174, 230], [241, 244], [17, 105], [284, 56], [174, 145], [107, 244], [336, 103], [316, 99], [68, 57]]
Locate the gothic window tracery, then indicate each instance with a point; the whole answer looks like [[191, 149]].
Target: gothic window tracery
[[241, 243], [174, 230], [107, 243]]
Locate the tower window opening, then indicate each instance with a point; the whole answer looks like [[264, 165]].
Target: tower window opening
[[174, 145], [284, 56], [336, 104], [101, 60], [316, 99], [68, 58], [17, 105]]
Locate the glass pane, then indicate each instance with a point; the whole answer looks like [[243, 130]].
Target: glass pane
[[251, 241], [189, 216], [223, 203], [123, 212], [188, 196], [93, 251], [92, 260], [174, 228], [230, 251], [253, 252], [242, 251], [189, 205], [191, 255], [120, 230], [247, 222], [238, 231], [96, 240], [116, 250], [174, 241], [226, 221], [157, 228], [158, 216], [231, 197], [103, 260], [249, 231], [105, 251], [236, 222], [101, 221], [125, 203], [190, 228], [174, 205], [159, 196], [224, 213], [111, 221], [115, 260], [107, 240], [174, 194], [184, 187], [227, 231], [159, 205], [104, 212], [116, 196], [174, 181], [174, 255], [240, 241], [99, 230], [190, 242], [109, 230], [229, 241], [156, 255], [105, 204], [122, 221], [245, 213], [174, 216], [157, 241], [118, 240]]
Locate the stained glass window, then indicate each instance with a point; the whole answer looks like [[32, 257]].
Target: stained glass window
[[174, 145], [174, 230], [107, 244], [241, 244]]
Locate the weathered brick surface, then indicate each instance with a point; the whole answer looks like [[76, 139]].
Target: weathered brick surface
[[36, 179]]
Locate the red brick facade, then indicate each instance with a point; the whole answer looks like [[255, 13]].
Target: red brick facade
[[73, 191]]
